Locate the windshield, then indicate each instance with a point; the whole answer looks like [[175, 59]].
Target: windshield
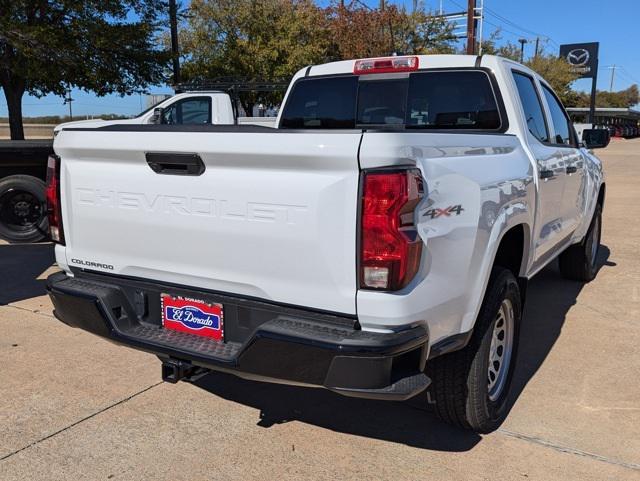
[[428, 100]]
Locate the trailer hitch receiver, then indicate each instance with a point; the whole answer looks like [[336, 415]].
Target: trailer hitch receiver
[[174, 370]]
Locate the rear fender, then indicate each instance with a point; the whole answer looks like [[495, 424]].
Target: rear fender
[[509, 217], [477, 188]]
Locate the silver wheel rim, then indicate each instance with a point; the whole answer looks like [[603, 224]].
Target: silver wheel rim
[[594, 243], [500, 350]]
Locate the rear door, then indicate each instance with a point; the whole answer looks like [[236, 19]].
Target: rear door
[[551, 168], [271, 216], [573, 199]]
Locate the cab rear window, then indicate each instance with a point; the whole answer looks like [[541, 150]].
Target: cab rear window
[[429, 100]]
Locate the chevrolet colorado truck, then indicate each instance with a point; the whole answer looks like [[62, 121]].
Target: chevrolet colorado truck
[[377, 243]]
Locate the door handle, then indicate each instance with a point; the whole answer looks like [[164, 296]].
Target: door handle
[[547, 174], [571, 169], [169, 163]]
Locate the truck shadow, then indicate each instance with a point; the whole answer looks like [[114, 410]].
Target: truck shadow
[[409, 423], [404, 423], [549, 298], [20, 267]]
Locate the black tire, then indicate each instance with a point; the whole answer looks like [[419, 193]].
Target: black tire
[[459, 390], [580, 261], [23, 213]]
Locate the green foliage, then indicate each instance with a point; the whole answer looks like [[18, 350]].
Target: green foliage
[[507, 50], [620, 99], [47, 45], [556, 71], [272, 39], [252, 40]]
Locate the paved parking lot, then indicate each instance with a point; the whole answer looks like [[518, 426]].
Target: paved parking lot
[[77, 407]]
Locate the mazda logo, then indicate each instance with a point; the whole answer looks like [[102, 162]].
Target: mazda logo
[[578, 57]]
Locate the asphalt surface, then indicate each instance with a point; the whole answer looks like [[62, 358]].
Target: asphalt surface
[[73, 406]]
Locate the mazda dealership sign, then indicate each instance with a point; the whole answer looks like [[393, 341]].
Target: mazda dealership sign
[[583, 58]]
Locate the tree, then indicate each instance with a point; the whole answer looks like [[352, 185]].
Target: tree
[[620, 99], [252, 40], [507, 50], [556, 71], [358, 31], [272, 39], [47, 46]]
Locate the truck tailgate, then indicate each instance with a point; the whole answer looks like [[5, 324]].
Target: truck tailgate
[[262, 220]]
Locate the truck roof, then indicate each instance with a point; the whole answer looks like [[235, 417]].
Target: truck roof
[[424, 62]]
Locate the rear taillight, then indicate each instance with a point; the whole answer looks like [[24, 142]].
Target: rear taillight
[[385, 65], [54, 207], [390, 248]]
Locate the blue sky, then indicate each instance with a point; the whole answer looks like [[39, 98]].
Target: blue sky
[[613, 24]]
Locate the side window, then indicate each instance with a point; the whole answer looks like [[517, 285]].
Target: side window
[[533, 112], [447, 100], [560, 120], [188, 112]]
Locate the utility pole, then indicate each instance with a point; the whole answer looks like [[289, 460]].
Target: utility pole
[[522, 42], [471, 27], [594, 91], [613, 72], [479, 15], [381, 5], [537, 45], [175, 51]]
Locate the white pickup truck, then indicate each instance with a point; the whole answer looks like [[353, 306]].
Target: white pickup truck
[[186, 108], [377, 243]]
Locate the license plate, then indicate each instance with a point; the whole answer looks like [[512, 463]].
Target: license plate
[[192, 316]]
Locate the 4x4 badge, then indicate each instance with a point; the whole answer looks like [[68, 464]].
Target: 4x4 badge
[[446, 212]]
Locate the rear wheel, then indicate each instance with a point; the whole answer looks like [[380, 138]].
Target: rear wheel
[[470, 388], [580, 261], [23, 216]]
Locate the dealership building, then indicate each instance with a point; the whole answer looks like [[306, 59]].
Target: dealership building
[[606, 116]]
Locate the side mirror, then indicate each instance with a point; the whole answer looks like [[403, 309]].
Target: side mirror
[[595, 138], [156, 118]]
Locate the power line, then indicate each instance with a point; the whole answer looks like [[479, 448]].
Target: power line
[[494, 14], [633, 79], [621, 71], [502, 29]]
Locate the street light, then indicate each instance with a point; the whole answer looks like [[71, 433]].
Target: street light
[[522, 42]]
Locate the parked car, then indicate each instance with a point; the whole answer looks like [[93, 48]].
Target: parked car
[[355, 247]]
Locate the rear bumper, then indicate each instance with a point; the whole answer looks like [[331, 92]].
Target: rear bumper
[[263, 341]]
